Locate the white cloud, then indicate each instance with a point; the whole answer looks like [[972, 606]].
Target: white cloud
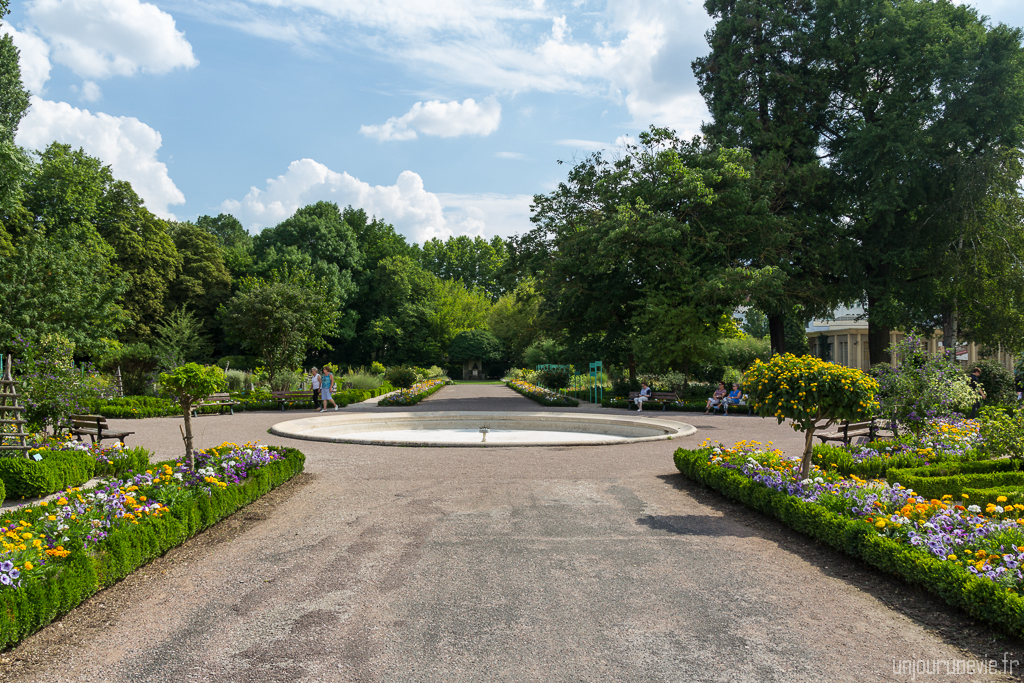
[[418, 214], [596, 145], [34, 59], [443, 119], [634, 54], [487, 214], [125, 143], [89, 92], [510, 155], [103, 38]]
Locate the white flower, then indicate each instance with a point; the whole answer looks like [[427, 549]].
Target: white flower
[[973, 508], [999, 508], [805, 482], [819, 480]]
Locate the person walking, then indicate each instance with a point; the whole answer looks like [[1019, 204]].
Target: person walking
[[314, 381], [326, 387]]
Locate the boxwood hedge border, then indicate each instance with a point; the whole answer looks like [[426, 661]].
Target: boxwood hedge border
[[983, 599], [561, 402], [27, 609]]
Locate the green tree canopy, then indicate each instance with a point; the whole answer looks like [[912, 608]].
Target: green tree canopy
[[281, 319], [645, 256], [143, 251], [475, 344]]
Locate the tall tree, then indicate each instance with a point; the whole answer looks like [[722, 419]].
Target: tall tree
[[918, 89], [646, 254], [281, 319], [474, 260], [234, 239], [204, 282], [766, 92], [143, 251]]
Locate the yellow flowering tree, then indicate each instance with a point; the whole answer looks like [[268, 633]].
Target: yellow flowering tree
[[810, 392]]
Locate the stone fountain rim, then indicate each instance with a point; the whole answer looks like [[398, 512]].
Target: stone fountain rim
[[295, 429]]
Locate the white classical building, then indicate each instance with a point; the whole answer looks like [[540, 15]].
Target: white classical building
[[843, 339]]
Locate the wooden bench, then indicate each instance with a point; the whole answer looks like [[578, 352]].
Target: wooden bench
[[283, 397], [725, 405], [219, 401], [95, 427], [661, 397], [859, 432]]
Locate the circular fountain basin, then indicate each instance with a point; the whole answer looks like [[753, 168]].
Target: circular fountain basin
[[467, 428]]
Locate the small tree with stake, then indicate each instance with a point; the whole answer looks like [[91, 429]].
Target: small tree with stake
[[810, 392], [187, 384]]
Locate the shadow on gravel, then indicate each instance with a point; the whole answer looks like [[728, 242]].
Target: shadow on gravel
[[980, 640], [695, 525]]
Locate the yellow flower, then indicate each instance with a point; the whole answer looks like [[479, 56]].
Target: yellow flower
[[880, 524], [952, 557], [28, 566], [1001, 499]]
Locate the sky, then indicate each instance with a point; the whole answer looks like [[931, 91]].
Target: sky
[[441, 117]]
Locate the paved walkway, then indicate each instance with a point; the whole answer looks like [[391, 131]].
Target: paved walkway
[[501, 564]]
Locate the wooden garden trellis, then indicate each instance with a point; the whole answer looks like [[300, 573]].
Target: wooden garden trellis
[[11, 413]]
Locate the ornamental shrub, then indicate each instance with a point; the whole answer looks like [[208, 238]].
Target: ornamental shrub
[[401, 376], [811, 393], [921, 385], [554, 379], [997, 382], [187, 384], [377, 369], [1002, 434]]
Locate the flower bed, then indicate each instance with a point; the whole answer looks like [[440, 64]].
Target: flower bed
[[543, 396], [53, 556], [969, 556], [414, 394], [677, 406]]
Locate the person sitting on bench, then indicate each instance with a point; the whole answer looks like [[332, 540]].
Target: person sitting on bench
[[734, 397], [645, 395], [716, 398]]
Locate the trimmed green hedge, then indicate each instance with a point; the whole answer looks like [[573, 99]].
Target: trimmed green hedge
[[934, 481], [981, 598], [30, 607], [58, 470], [134, 407], [122, 461], [3, 491]]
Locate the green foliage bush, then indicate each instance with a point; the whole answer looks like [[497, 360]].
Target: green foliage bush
[[1002, 434], [401, 376], [997, 381], [553, 379], [27, 609], [981, 598], [58, 470], [3, 492]]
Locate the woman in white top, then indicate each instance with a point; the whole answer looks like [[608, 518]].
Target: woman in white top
[[314, 380]]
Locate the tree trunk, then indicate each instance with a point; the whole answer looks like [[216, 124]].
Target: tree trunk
[[805, 466], [186, 408], [777, 332], [950, 322], [631, 363], [878, 338]]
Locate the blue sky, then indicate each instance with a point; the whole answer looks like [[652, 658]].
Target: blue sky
[[440, 116]]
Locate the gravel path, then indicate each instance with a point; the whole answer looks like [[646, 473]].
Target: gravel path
[[500, 564]]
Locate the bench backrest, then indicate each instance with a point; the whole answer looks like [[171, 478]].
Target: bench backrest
[[291, 394], [87, 422]]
